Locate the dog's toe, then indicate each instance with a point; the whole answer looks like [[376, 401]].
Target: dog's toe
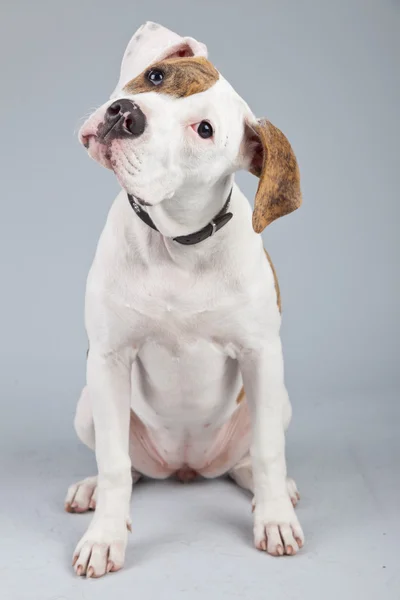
[[277, 529], [101, 550], [293, 491], [81, 496]]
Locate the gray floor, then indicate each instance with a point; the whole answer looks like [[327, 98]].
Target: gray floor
[[194, 541]]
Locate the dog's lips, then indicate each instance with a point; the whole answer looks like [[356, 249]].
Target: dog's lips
[[108, 155], [85, 140], [97, 150]]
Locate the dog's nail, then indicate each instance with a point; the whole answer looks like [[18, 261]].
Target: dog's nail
[[299, 542], [74, 559], [263, 545], [289, 550], [279, 550], [79, 570], [110, 566], [92, 505], [90, 572], [74, 505], [129, 526]]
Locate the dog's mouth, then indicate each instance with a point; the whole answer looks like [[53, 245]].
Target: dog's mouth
[[97, 149], [126, 165]]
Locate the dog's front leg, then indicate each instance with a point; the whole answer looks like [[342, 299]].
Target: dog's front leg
[[102, 548], [276, 527]]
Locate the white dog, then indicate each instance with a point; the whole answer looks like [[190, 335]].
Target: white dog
[[182, 302]]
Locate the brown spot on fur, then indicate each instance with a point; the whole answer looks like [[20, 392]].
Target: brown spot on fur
[[183, 77], [274, 162], [240, 397], [277, 289]]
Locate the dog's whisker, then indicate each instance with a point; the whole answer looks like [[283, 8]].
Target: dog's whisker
[[137, 158], [126, 162], [131, 173], [137, 169], [84, 118]]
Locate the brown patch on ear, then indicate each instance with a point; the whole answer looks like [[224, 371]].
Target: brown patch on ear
[[274, 162], [277, 289], [182, 77]]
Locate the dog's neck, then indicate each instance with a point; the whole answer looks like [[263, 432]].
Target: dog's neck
[[190, 209]]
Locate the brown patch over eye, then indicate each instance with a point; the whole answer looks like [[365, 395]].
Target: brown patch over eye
[[181, 77]]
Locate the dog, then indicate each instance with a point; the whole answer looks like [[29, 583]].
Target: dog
[[184, 368]]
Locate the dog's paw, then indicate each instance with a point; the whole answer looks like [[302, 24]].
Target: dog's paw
[[102, 548], [277, 529], [82, 496]]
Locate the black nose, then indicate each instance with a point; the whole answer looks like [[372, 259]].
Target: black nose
[[123, 118]]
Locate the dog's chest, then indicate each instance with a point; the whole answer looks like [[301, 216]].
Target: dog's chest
[[175, 305]]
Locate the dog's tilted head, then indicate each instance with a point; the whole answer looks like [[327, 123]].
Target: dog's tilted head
[[178, 126]]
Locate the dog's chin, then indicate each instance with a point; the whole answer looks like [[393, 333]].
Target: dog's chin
[[111, 158], [144, 197]]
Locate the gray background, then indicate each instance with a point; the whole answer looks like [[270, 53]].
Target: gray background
[[326, 73]]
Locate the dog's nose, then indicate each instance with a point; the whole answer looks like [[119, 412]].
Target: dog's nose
[[123, 118]]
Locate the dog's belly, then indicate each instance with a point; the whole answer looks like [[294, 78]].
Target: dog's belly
[[185, 414]]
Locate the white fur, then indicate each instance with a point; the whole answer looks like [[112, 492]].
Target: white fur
[[175, 330]]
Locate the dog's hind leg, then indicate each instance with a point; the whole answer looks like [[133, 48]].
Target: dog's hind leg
[[82, 496], [242, 474]]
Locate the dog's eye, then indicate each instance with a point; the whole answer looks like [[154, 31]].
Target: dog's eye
[[155, 76], [205, 130]]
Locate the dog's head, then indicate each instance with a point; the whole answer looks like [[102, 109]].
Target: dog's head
[[179, 125]]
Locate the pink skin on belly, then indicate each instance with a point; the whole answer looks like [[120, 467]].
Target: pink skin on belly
[[228, 445]]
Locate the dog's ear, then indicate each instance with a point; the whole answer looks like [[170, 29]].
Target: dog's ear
[[183, 48], [270, 157], [152, 43]]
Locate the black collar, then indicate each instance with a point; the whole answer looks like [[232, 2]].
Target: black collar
[[212, 227]]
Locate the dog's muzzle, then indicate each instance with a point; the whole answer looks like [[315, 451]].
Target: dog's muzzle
[[122, 119]]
